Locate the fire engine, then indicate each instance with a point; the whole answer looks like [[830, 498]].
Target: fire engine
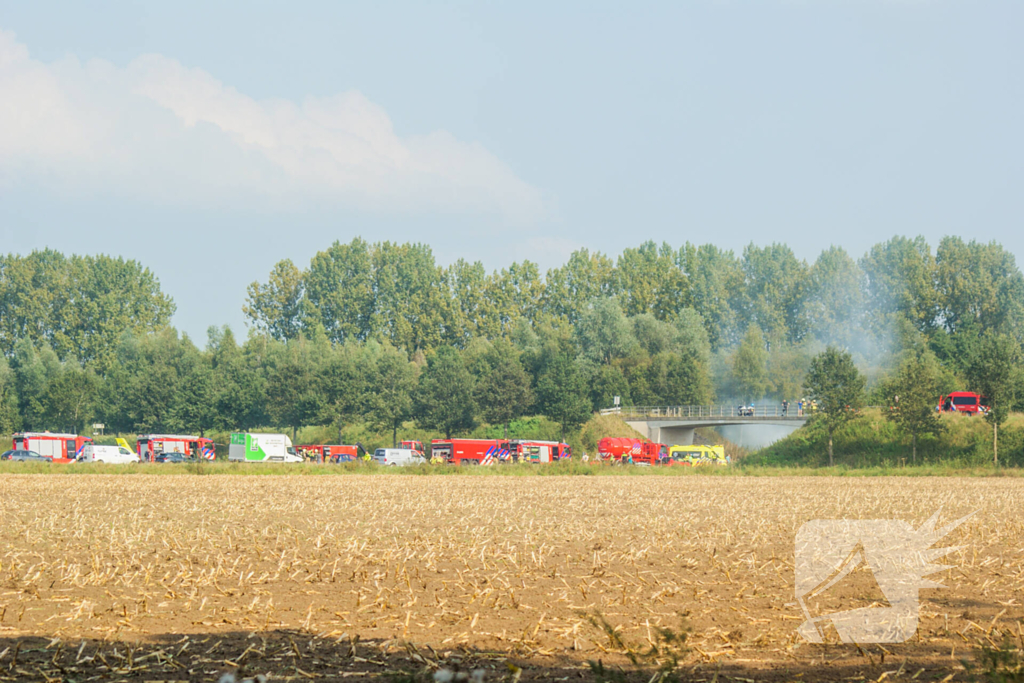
[[962, 402], [469, 451], [149, 446], [414, 446], [539, 451], [637, 451], [62, 448], [331, 453]]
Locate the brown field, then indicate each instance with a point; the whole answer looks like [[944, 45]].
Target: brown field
[[182, 578]]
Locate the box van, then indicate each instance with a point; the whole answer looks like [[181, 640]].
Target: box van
[[397, 456], [262, 448], [112, 454]]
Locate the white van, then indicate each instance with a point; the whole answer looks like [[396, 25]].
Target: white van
[[397, 457], [117, 455]]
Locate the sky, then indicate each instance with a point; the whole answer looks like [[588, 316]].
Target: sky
[[210, 140]]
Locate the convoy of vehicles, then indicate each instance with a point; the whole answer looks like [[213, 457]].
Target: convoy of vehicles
[[251, 447], [246, 447]]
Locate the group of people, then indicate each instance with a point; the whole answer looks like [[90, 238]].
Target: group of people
[[801, 405]]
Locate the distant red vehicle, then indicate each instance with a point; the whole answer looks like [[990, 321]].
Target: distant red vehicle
[[63, 448], [638, 451], [149, 446], [330, 453], [469, 451], [962, 402], [539, 451], [414, 446]]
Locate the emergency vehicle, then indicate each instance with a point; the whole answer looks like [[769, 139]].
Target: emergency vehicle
[[415, 446], [469, 451], [636, 451], [330, 453], [63, 448], [148, 446], [695, 455], [539, 451], [965, 402]]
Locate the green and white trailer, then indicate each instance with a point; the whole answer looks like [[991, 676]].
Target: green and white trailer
[[262, 448]]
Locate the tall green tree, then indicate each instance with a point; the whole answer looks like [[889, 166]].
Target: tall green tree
[[834, 298], [604, 332], [773, 292], [294, 374], [993, 373], [444, 399], [390, 395], [838, 388], [10, 418], [715, 290], [77, 305], [504, 392], [648, 280], [978, 285], [911, 394], [562, 394], [900, 279], [750, 364], [276, 308], [570, 289]]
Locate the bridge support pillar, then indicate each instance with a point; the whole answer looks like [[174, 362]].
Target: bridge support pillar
[[669, 435]]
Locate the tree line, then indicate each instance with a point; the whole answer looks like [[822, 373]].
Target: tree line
[[381, 333]]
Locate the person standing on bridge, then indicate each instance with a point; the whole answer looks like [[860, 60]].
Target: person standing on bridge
[[785, 408]]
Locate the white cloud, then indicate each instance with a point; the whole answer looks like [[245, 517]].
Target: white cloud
[[161, 131]]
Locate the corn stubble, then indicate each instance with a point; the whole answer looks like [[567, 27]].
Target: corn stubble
[[423, 578]]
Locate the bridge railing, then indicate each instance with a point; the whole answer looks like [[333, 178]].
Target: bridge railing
[[770, 410]]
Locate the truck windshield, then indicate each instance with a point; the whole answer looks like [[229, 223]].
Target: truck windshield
[[965, 401], [291, 450]]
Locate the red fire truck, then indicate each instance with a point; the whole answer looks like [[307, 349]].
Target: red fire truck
[[61, 447], [469, 451], [330, 453], [539, 451], [148, 446], [962, 402], [414, 446], [637, 451]]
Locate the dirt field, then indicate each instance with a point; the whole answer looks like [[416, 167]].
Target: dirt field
[[183, 578]]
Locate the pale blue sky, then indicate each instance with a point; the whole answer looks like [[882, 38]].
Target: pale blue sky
[[209, 140]]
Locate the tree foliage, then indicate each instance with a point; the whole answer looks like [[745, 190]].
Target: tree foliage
[[834, 382]]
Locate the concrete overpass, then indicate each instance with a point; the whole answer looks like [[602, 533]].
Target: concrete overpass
[[676, 424]]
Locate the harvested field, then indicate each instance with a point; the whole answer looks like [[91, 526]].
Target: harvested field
[[182, 578]]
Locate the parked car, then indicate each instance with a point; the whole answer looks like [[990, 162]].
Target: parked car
[[111, 454], [397, 457], [173, 456], [24, 456]]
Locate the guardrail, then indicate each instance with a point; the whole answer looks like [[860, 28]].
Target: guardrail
[[710, 411]]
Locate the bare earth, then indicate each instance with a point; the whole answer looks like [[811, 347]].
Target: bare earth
[[331, 577]]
